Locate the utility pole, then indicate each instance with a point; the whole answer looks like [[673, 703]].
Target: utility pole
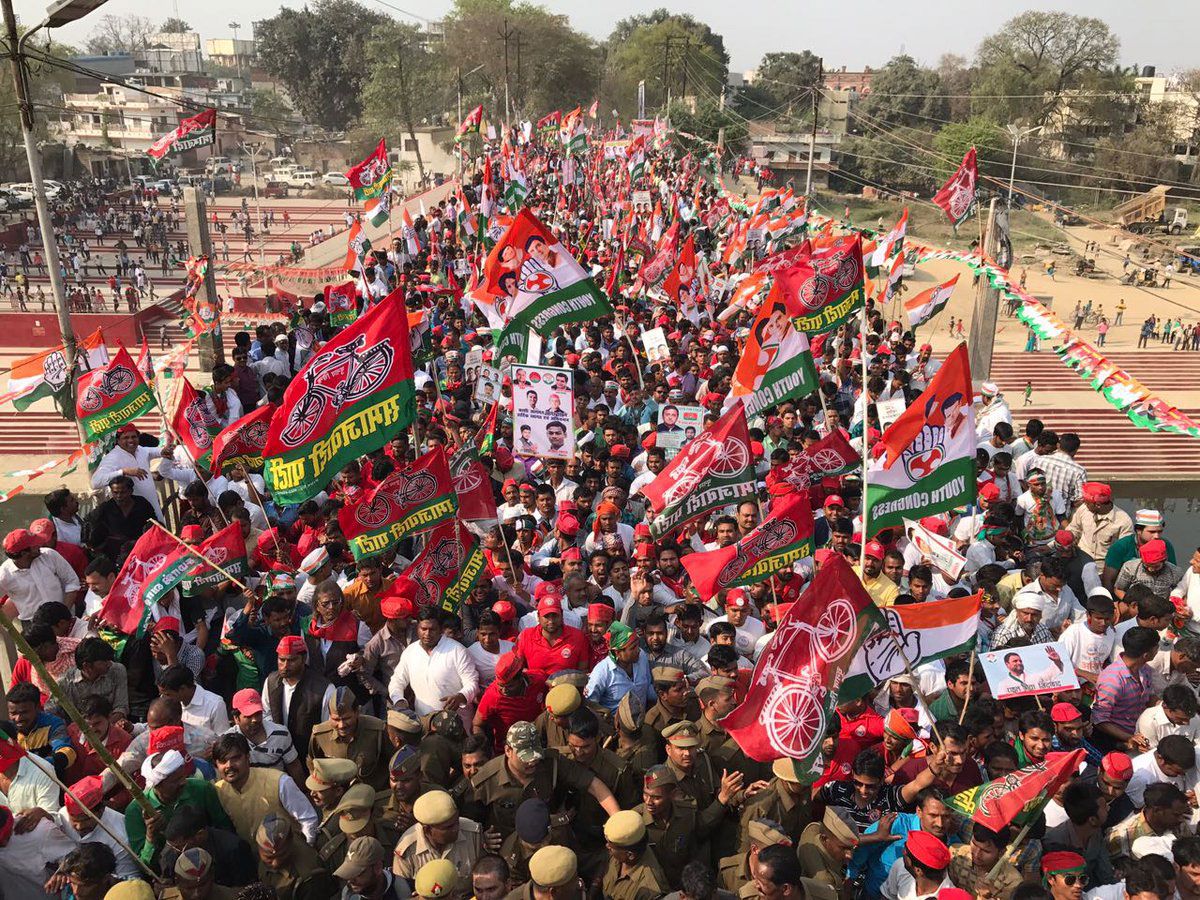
[[687, 42], [518, 95], [200, 242], [234, 26], [458, 150], [505, 35], [1016, 133], [812, 137], [34, 157], [666, 64]]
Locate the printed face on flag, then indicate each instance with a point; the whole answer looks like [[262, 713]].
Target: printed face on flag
[[543, 410], [1025, 671]]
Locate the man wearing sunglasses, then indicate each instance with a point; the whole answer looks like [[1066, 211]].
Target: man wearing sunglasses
[[1064, 875]]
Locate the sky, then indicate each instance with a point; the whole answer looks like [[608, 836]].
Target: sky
[[1152, 32]]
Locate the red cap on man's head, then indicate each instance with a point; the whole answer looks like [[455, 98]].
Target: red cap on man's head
[[834, 500], [193, 534], [90, 793], [1064, 539], [736, 600], [19, 540], [1154, 551], [989, 492], [247, 702], [568, 525], [1117, 766], [167, 623], [505, 610], [600, 612], [551, 603], [874, 549], [641, 529], [1064, 712], [643, 551], [291, 645], [927, 850], [508, 667]]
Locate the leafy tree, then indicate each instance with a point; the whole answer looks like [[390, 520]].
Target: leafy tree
[[673, 54], [318, 52], [787, 78], [46, 86], [120, 34], [1144, 156], [956, 80], [952, 143], [904, 93], [268, 106], [877, 161], [1029, 65], [174, 25], [707, 120], [625, 28]]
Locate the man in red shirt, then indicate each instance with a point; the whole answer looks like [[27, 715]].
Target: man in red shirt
[[515, 696], [552, 646], [953, 770]]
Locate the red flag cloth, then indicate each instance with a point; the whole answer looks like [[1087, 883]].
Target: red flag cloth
[[683, 272], [1019, 795], [473, 485], [831, 455], [242, 442], [122, 608], [957, 196], [195, 423], [10, 752], [654, 269], [794, 690]]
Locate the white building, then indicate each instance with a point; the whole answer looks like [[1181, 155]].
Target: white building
[[786, 152], [430, 140]]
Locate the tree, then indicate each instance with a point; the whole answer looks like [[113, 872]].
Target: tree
[[875, 160], [788, 78], [956, 81], [174, 25], [318, 52], [903, 93], [952, 143], [269, 107], [673, 54], [120, 34], [1143, 157], [707, 120], [1027, 68], [46, 86]]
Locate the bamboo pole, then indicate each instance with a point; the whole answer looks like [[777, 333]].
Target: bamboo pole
[[193, 551], [908, 667], [970, 681]]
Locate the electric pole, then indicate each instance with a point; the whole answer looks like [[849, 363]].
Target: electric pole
[[812, 138], [686, 45], [506, 35]]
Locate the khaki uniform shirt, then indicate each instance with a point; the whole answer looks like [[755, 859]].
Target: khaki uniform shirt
[[964, 875], [302, 878], [553, 781], [734, 871], [369, 748], [815, 861], [774, 803], [642, 752], [332, 842], [659, 717], [644, 881], [414, 850], [676, 841], [1096, 534]]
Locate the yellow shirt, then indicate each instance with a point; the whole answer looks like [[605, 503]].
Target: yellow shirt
[[882, 590]]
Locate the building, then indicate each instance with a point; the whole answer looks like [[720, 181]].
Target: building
[[858, 82], [230, 53], [785, 151], [171, 52], [433, 142]]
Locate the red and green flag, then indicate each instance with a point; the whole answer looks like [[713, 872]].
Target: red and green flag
[[547, 285], [350, 398], [342, 303], [548, 124], [123, 607], [195, 423], [832, 455], [370, 180], [957, 196], [448, 568], [793, 693], [823, 291], [473, 485], [242, 443], [408, 501], [471, 124], [112, 396], [781, 539], [714, 469], [485, 437], [1019, 796], [226, 548], [199, 130]]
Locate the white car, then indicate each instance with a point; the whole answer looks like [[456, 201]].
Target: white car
[[303, 178], [335, 179], [23, 193]]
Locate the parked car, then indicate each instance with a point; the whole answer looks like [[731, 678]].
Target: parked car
[[21, 193], [275, 188], [303, 178], [335, 179]]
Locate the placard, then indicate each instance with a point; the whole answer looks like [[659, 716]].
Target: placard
[[677, 425], [655, 342], [487, 386], [1025, 671], [471, 365], [543, 400], [889, 410], [642, 197], [940, 551]]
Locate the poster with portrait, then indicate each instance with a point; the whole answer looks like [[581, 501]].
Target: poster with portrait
[[487, 385], [655, 342], [471, 364], [1025, 671], [677, 425], [543, 401]]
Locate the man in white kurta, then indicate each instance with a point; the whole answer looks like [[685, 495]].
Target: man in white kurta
[[439, 671], [132, 459]]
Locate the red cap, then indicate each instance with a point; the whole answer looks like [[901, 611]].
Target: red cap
[[874, 549], [567, 506], [642, 529], [248, 701], [573, 554], [935, 525], [396, 607], [1062, 861], [927, 850], [1154, 551], [127, 428], [508, 667], [19, 540], [193, 534], [736, 600], [568, 525], [989, 492], [618, 451], [834, 500], [510, 482], [1117, 765], [505, 610], [42, 529], [89, 790], [643, 551], [167, 737], [649, 441], [1064, 538], [551, 603], [1064, 712], [167, 623], [291, 645], [600, 612], [1096, 492]]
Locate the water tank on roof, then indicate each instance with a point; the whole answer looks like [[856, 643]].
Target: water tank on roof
[[1147, 71]]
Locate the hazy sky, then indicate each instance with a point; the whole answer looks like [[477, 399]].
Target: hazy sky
[[868, 32]]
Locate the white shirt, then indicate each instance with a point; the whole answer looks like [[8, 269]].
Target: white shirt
[[624, 532], [285, 703], [1154, 725], [49, 577], [1055, 610], [747, 635], [117, 459], [900, 885], [572, 617], [31, 788], [1146, 772], [68, 532], [448, 670], [1089, 652], [1189, 589], [565, 491], [24, 859], [485, 661], [529, 582], [126, 867], [207, 710], [299, 807]]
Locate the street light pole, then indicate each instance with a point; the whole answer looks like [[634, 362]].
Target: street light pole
[[253, 151], [1016, 133], [236, 56]]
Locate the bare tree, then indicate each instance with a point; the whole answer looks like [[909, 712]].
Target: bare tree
[[120, 34]]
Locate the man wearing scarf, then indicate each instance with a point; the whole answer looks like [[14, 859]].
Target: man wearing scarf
[[625, 670], [1042, 508], [899, 738], [168, 787], [332, 634]]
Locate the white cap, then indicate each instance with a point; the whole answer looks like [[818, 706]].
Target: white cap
[[1028, 600], [314, 560], [989, 387]]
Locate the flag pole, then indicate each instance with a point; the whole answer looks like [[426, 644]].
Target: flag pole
[[68, 707], [866, 439], [970, 680], [192, 550], [908, 667], [167, 426]]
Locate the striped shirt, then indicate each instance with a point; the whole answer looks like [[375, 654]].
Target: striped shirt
[[1121, 696], [1063, 475]]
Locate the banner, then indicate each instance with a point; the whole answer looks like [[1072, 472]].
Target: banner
[[957, 196], [656, 266], [684, 276], [929, 462], [796, 684], [112, 396], [448, 568], [712, 471], [350, 398], [123, 607], [44, 374], [341, 301], [781, 539], [543, 406], [195, 423], [927, 631], [473, 484], [545, 284], [676, 426], [226, 548], [826, 289], [941, 552], [358, 245], [776, 363], [929, 303], [241, 443], [408, 501], [198, 131], [1019, 796], [549, 123], [1026, 671]]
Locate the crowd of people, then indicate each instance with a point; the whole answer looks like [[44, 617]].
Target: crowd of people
[[321, 733]]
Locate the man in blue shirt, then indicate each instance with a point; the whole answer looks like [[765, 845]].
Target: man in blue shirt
[[883, 843], [625, 669]]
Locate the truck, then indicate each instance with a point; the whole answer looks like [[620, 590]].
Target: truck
[[1148, 213]]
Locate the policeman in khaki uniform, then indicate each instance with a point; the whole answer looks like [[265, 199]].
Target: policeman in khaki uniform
[[352, 819], [825, 849], [438, 755], [676, 831], [786, 800], [405, 784], [553, 873], [287, 864], [439, 833], [553, 723], [634, 740], [348, 734], [676, 702], [717, 700], [527, 769], [735, 873], [438, 879], [329, 781], [633, 871]]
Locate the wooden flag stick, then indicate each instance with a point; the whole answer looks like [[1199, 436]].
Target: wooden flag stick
[[208, 562], [970, 681], [908, 667]]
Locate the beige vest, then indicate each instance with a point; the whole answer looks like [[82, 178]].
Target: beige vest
[[246, 809]]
